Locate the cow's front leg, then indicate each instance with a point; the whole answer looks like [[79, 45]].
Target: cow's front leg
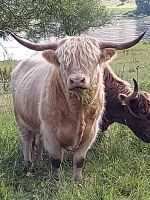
[[80, 154], [55, 151]]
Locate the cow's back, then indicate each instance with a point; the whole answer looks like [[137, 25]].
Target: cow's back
[[28, 80]]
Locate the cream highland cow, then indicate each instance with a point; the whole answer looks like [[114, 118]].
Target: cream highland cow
[[59, 94]]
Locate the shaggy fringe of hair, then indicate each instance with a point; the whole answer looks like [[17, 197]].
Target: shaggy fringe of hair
[[79, 51], [144, 102]]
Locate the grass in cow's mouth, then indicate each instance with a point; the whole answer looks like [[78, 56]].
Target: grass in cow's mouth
[[84, 96], [116, 168]]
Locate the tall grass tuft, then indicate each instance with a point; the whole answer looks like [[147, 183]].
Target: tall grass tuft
[[5, 76]]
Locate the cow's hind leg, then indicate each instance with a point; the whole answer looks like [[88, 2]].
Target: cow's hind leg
[[37, 148], [55, 151], [26, 140], [32, 147]]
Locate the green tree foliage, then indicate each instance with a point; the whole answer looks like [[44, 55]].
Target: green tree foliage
[[52, 17], [143, 7]]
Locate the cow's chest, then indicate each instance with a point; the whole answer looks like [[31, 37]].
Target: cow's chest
[[72, 130]]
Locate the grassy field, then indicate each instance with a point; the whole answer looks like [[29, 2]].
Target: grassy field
[[117, 167], [117, 9], [120, 10]]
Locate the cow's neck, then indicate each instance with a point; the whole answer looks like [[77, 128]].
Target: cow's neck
[[113, 87]]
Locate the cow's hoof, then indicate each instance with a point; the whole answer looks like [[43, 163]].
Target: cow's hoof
[[29, 174], [77, 178], [54, 178], [29, 167]]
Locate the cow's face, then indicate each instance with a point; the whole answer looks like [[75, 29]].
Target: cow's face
[[138, 115], [80, 61]]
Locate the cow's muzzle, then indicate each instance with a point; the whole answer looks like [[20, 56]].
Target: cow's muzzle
[[76, 81]]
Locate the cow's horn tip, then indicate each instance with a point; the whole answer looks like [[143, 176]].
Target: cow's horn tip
[[134, 80], [135, 84], [9, 31], [143, 33]]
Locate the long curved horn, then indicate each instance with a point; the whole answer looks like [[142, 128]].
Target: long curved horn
[[135, 91], [31, 45], [121, 46], [126, 99], [132, 96]]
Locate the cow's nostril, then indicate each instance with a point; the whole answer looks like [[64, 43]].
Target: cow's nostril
[[71, 81], [82, 80]]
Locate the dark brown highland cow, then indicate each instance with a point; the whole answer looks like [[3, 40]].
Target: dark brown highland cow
[[131, 108]]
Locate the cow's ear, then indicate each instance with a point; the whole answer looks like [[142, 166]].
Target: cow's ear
[[123, 99], [51, 57], [131, 104], [108, 54]]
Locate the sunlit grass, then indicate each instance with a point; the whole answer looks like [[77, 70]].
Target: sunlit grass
[[125, 65], [119, 10], [8, 64], [117, 167]]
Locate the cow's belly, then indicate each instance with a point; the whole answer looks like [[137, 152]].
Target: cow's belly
[[26, 108], [28, 119]]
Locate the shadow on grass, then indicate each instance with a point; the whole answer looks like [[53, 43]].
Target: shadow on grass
[[14, 178], [13, 175], [113, 163]]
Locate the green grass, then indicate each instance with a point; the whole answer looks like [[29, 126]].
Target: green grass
[[7, 64], [117, 167], [125, 65], [118, 11]]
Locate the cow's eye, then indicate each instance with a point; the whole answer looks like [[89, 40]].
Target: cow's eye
[[134, 105]]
